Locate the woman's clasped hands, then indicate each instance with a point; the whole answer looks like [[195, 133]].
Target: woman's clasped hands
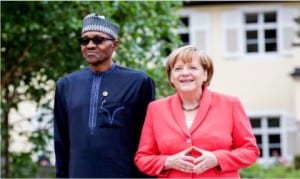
[[192, 160]]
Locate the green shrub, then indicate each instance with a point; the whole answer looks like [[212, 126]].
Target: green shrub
[[297, 160], [276, 171]]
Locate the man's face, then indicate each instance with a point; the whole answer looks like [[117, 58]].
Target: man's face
[[97, 48]]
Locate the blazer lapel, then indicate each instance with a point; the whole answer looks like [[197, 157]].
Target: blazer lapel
[[178, 113], [205, 103]]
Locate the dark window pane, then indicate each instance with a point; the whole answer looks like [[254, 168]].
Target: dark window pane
[[261, 152], [273, 122], [274, 138], [184, 38], [252, 48], [251, 34], [258, 139], [270, 34], [185, 21], [251, 18], [255, 122], [270, 17], [271, 47], [270, 40], [252, 43], [275, 152]]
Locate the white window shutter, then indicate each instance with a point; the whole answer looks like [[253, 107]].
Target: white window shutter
[[199, 30], [287, 29], [233, 42]]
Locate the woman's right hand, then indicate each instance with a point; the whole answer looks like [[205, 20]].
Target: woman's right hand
[[181, 161]]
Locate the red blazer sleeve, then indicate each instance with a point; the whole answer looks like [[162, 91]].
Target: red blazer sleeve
[[148, 158], [245, 150]]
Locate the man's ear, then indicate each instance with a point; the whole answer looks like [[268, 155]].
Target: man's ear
[[116, 43]]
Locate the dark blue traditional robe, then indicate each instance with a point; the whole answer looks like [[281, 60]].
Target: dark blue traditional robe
[[97, 122]]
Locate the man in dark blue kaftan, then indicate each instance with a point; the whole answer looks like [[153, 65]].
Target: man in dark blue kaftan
[[99, 111]]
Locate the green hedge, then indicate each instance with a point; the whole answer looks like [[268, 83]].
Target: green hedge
[[276, 171]]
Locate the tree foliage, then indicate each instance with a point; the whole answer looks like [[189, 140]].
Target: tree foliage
[[39, 45]]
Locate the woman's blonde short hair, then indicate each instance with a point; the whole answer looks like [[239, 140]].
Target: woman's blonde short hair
[[186, 53]]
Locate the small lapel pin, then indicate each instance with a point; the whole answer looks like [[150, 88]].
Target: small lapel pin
[[105, 93]]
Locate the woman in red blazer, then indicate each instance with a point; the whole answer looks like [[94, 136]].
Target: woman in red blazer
[[196, 132]]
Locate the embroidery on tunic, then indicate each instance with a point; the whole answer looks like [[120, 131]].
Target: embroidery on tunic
[[94, 101]]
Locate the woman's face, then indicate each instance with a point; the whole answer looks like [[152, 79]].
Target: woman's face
[[188, 77]]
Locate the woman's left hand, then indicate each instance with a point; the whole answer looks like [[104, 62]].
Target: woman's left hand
[[205, 162]]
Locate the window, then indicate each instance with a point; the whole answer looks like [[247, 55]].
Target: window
[[275, 134], [184, 31], [261, 32], [195, 29], [259, 143], [256, 122], [267, 130], [273, 122]]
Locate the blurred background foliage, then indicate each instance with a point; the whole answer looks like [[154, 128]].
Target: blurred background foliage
[[39, 45], [274, 171]]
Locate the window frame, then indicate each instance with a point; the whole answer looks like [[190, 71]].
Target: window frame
[[199, 22], [287, 126], [185, 30], [232, 21], [260, 28]]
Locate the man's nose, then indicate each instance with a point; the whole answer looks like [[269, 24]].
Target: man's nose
[[90, 44]]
